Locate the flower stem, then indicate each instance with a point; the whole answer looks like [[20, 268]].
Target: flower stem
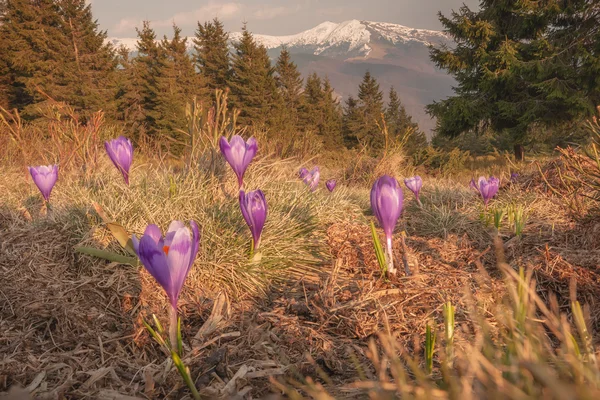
[[390, 257], [173, 328]]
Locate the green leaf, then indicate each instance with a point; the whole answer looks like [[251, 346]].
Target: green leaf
[[378, 249], [179, 338], [108, 255]]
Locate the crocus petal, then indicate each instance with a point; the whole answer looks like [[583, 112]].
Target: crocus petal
[[154, 232], [415, 184], [303, 172], [238, 154], [173, 228], [120, 152], [136, 243], [387, 202], [330, 184], [195, 241], [251, 149], [153, 258], [254, 210], [45, 178], [178, 259]]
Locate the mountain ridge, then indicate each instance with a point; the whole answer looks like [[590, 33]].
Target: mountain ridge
[[396, 55]]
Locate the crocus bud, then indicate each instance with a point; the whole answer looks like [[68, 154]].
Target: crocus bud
[[238, 154], [387, 202], [120, 152], [254, 209], [331, 184], [44, 178], [414, 184], [312, 179], [303, 172]]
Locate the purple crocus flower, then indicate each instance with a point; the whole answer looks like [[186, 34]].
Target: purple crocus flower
[[238, 154], [514, 176], [44, 177], [331, 184], [120, 152], [169, 260], [415, 184], [487, 187], [254, 209], [386, 202], [312, 178], [303, 172]]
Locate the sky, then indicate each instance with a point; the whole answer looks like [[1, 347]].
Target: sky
[[270, 17]]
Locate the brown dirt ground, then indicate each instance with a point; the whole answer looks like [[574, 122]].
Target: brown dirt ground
[[71, 326]]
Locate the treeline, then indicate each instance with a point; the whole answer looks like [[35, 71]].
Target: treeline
[[53, 51]]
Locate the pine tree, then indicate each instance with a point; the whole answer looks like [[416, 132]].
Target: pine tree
[[515, 70], [289, 84], [331, 128], [351, 123], [400, 124], [177, 83], [253, 87], [313, 96], [320, 111], [31, 60], [129, 97], [90, 63], [147, 66], [52, 49], [370, 111], [212, 54]]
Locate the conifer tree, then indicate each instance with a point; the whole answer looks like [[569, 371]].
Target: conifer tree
[[289, 84], [129, 96], [253, 86], [176, 83], [320, 111], [312, 99], [211, 49], [512, 71], [351, 122], [147, 66], [331, 128], [53, 49], [400, 124], [370, 111]]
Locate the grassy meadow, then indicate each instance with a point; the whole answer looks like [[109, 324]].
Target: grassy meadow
[[314, 317]]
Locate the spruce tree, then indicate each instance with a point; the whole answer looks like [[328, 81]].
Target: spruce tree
[[253, 87], [177, 83], [289, 84], [313, 97], [400, 124], [147, 66], [370, 110], [129, 97], [211, 49], [331, 128], [52, 49], [351, 122], [31, 60], [515, 70]]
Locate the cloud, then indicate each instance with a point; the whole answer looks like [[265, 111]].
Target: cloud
[[266, 12], [184, 19]]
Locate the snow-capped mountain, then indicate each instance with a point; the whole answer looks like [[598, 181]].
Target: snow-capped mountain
[[352, 36], [395, 55]]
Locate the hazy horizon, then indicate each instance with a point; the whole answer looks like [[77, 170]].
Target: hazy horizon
[[268, 17]]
